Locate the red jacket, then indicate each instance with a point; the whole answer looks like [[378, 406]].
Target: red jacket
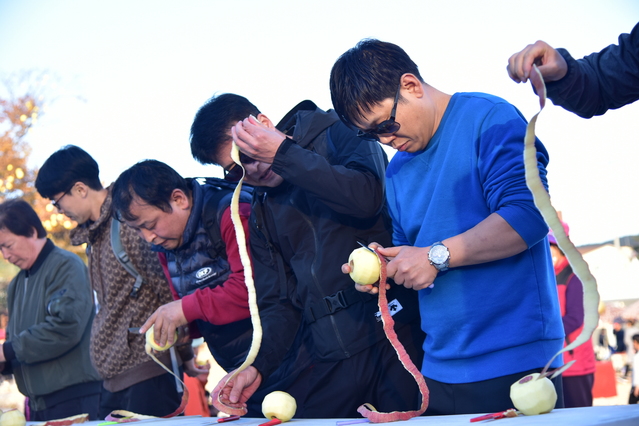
[[226, 303], [571, 295]]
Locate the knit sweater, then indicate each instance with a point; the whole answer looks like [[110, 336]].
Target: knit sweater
[[117, 354]]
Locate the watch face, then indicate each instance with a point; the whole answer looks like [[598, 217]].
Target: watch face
[[438, 254]]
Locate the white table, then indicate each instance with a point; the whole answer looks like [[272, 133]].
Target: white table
[[618, 415]]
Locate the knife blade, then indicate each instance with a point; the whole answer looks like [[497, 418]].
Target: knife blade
[[371, 250], [134, 330]]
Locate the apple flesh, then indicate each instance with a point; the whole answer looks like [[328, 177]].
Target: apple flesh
[[365, 266], [279, 405], [150, 340], [532, 395], [13, 418]]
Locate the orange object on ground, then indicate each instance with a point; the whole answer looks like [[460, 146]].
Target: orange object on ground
[[605, 381], [198, 404]]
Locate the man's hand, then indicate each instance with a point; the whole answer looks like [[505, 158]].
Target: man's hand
[[551, 64], [410, 266], [193, 370], [165, 320], [236, 392], [257, 140]]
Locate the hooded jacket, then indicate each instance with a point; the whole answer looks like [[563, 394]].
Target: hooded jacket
[[303, 230]]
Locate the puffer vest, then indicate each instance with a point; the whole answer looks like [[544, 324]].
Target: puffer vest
[[195, 265]]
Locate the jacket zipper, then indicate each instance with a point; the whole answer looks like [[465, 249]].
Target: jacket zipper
[[25, 373], [316, 281]]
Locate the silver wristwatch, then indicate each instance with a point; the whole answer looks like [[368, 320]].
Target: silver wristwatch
[[439, 256]]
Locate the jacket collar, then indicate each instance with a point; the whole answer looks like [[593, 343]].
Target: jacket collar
[[86, 232], [46, 250], [197, 199], [305, 121]]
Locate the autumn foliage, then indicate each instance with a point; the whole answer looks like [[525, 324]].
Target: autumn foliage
[[18, 114]]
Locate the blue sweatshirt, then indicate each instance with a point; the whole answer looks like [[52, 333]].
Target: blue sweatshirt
[[497, 318]]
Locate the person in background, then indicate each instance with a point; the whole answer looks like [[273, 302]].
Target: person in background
[[132, 380], [579, 379], [50, 314], [318, 191], [619, 332], [198, 403], [466, 233], [630, 330], [634, 391], [619, 349], [590, 86]]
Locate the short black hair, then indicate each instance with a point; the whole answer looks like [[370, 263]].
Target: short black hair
[[635, 338], [366, 75], [64, 168], [212, 122], [19, 218], [151, 181]]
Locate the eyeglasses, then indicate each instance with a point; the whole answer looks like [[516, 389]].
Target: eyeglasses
[[55, 202], [233, 172], [386, 127]]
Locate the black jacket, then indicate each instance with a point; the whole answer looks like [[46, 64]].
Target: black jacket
[[600, 81], [303, 231]]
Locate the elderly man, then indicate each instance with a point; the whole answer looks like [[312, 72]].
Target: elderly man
[[50, 314]]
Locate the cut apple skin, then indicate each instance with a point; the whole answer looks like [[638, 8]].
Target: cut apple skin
[[532, 395]]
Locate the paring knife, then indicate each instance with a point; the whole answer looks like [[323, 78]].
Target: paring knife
[[371, 250]]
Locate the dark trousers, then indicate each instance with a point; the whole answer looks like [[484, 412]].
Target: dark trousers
[[632, 399], [374, 375], [578, 390], [157, 396], [85, 404], [487, 396]]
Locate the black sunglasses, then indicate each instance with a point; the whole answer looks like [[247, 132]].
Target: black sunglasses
[[233, 172], [386, 127]]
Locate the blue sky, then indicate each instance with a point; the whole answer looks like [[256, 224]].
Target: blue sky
[[132, 74]]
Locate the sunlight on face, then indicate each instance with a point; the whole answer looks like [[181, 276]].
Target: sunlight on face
[[158, 227], [17, 249]]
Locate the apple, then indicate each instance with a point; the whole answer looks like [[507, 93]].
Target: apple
[[13, 418], [150, 340], [279, 405], [365, 266], [532, 395]]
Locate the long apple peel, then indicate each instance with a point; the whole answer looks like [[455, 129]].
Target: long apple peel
[[125, 416], [550, 216], [250, 286], [366, 409]]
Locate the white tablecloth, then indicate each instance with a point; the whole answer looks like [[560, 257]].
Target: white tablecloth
[[618, 415]]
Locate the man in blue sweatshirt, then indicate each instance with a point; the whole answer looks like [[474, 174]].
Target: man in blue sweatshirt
[[466, 232]]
